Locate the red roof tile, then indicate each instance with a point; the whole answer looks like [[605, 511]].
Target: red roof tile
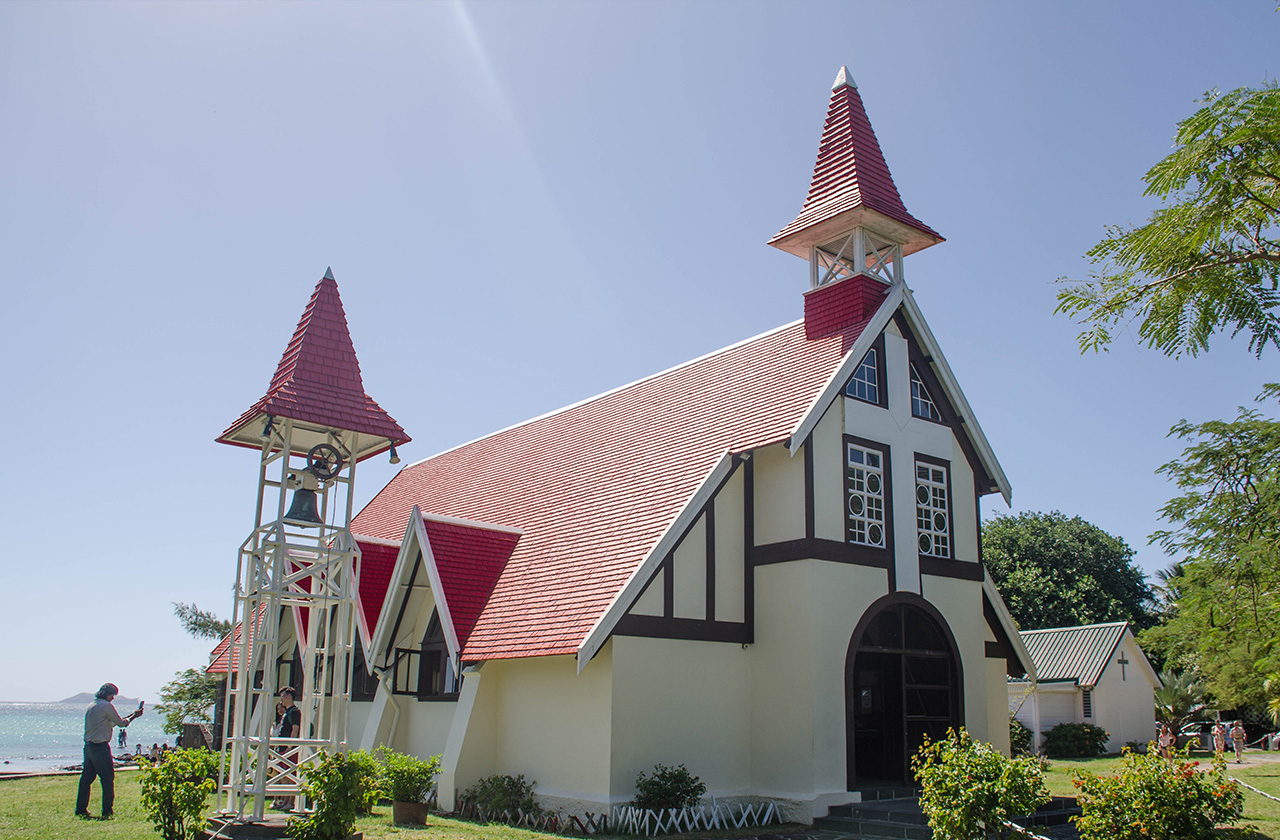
[[318, 379], [469, 561], [850, 170], [594, 486], [228, 650], [376, 564]]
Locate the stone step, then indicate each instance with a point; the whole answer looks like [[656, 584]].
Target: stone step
[[874, 829]]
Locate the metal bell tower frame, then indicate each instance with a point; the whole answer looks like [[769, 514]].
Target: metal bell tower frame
[[297, 579]]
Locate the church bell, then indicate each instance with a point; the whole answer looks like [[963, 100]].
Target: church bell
[[304, 507]]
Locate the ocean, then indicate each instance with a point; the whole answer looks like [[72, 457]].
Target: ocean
[[35, 737]]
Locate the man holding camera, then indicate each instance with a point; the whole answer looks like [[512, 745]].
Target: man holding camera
[[99, 719]]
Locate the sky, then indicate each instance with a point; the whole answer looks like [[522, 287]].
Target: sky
[[526, 204]]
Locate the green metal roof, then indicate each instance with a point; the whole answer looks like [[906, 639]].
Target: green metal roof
[[1077, 654]]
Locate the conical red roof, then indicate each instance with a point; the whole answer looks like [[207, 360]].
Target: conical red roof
[[318, 381], [850, 174]]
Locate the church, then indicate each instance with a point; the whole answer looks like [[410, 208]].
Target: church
[[764, 563]]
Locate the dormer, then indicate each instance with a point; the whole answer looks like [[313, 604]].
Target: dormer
[[853, 223]]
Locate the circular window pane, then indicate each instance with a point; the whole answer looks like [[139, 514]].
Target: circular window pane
[[939, 522], [855, 505], [922, 494], [874, 534], [873, 482], [926, 544]]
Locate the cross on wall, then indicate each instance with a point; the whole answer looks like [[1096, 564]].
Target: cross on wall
[[1122, 662]]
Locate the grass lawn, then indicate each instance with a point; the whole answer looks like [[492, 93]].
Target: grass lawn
[[41, 809], [1260, 813]]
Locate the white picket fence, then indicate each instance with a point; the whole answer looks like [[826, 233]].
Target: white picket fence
[[630, 820]]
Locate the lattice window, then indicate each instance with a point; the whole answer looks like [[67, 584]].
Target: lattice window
[[933, 515], [864, 508], [1086, 697], [865, 382], [922, 404]]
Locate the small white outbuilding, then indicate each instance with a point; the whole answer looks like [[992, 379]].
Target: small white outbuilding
[[1093, 674]]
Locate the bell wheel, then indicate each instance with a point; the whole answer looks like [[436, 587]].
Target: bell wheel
[[324, 461]]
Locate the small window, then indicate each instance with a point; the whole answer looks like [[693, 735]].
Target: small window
[[864, 505], [922, 404], [933, 511], [436, 677], [363, 684], [1087, 698], [865, 383]]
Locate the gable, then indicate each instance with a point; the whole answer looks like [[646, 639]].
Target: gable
[[1079, 654], [598, 487]]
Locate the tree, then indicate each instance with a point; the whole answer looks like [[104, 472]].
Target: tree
[[200, 624], [1209, 259], [1226, 607], [1180, 700], [190, 695], [1059, 572]]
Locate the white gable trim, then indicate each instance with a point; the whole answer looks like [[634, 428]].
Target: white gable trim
[[415, 539], [1010, 626], [900, 295], [852, 359], [689, 514]]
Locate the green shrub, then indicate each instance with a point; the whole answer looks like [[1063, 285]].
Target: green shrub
[[1075, 740], [970, 789], [407, 778], [495, 794], [175, 792], [1019, 736], [369, 780], [334, 787], [668, 787], [1151, 798]]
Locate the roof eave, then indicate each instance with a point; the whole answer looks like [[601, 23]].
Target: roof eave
[[1010, 626], [800, 240]]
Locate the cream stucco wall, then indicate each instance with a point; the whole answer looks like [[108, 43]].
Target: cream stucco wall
[[828, 474], [1124, 699], [960, 602], [779, 495]]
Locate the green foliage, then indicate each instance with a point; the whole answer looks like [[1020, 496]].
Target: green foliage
[[200, 624], [1208, 259], [668, 787], [1224, 616], [189, 696], [1075, 740], [407, 778], [1019, 736], [1058, 572], [495, 794], [334, 787], [1180, 700], [970, 789], [1151, 798], [369, 780], [175, 792]]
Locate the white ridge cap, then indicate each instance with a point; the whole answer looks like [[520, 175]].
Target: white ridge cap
[[844, 79]]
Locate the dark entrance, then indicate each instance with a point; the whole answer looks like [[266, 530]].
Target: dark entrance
[[902, 682]]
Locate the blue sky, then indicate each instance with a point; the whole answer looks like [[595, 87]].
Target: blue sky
[[526, 204]]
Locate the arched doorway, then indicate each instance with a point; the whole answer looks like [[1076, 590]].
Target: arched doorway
[[903, 681]]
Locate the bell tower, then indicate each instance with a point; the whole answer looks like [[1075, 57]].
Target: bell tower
[[853, 225], [297, 578]]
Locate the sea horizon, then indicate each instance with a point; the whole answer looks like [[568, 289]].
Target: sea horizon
[[40, 737]]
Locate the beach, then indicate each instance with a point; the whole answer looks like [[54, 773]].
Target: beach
[[40, 737]]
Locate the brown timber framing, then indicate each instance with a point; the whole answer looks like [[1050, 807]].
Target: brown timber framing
[[667, 626], [1002, 647], [924, 367]]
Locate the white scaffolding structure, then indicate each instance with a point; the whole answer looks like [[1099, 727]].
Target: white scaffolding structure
[[298, 565]]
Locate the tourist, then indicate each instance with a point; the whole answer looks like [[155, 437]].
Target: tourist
[[99, 719], [288, 725], [1237, 739], [1165, 739], [1219, 739]]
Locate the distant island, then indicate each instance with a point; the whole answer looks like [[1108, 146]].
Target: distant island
[[86, 698]]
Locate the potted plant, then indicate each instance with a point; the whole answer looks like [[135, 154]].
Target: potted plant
[[408, 780]]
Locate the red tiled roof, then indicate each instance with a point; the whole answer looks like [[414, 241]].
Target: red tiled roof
[[318, 379], [850, 170], [469, 561], [594, 486], [376, 564], [229, 649]]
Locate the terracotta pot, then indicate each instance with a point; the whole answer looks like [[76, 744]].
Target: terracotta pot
[[409, 813]]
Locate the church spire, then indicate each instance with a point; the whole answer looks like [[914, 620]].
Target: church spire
[[852, 189]]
